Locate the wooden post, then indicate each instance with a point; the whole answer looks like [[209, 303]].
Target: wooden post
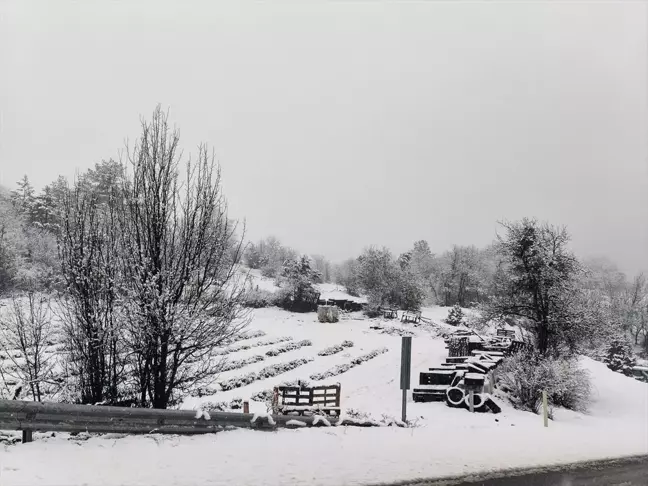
[[27, 436], [246, 407], [545, 409], [275, 401], [471, 401]]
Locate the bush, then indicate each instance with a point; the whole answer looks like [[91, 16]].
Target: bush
[[455, 316], [372, 309], [258, 298], [328, 313], [270, 271], [525, 375], [335, 348], [343, 368], [619, 357], [291, 346]]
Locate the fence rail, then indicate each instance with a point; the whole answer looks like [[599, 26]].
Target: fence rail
[[61, 417]]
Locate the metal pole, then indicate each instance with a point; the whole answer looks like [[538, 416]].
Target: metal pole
[[406, 368], [471, 401]]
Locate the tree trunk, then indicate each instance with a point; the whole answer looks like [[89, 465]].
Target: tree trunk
[[543, 337]]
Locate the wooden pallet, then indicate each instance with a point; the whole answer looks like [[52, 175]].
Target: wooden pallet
[[307, 400], [409, 316]]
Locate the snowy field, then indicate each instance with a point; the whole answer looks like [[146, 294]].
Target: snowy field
[[442, 442]]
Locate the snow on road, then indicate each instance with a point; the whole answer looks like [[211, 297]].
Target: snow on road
[[444, 442]]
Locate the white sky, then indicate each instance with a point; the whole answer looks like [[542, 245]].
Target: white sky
[[343, 124]]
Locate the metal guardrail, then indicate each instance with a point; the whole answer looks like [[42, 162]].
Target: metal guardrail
[[62, 417]]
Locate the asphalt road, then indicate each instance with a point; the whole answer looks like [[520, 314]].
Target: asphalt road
[[620, 472]]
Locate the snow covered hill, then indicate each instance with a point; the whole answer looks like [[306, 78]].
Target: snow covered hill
[[443, 441]]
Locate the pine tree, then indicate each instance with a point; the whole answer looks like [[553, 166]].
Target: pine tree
[[620, 358], [455, 316], [297, 279], [23, 197]]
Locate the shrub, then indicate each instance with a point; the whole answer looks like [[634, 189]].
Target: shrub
[[372, 309], [282, 298], [338, 348], [328, 313], [343, 368], [455, 316], [267, 372], [525, 375], [270, 271], [258, 298], [291, 346], [619, 357]]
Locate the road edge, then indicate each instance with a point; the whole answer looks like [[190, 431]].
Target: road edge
[[519, 471]]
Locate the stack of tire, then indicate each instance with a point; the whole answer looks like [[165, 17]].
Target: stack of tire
[[458, 394]]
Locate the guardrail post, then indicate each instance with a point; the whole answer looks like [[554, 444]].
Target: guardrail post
[[27, 436], [246, 407]]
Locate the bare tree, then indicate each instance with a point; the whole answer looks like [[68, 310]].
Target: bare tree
[[180, 260], [26, 330], [88, 249]]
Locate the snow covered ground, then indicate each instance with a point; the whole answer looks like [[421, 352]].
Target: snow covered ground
[[443, 441]]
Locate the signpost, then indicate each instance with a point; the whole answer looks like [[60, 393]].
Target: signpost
[[406, 369]]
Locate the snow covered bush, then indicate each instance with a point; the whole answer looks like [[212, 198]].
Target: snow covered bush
[[257, 299], [338, 348], [235, 404], [372, 309], [267, 372], [525, 375], [455, 316], [328, 313], [246, 335], [394, 331], [243, 346], [241, 363], [288, 347], [619, 357], [343, 368]]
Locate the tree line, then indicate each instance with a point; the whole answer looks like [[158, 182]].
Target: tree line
[[527, 277]]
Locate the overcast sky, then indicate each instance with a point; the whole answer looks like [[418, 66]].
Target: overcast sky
[[343, 124]]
